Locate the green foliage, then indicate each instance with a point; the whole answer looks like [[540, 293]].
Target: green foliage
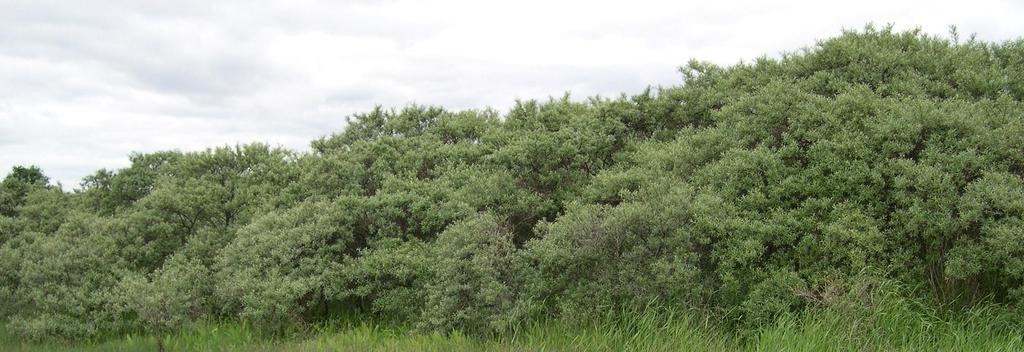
[[599, 258], [16, 186], [390, 275], [170, 297], [874, 320], [472, 285], [107, 191], [62, 282], [754, 194], [285, 265]]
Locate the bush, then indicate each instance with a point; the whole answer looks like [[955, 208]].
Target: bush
[[284, 267], [391, 276], [472, 287], [599, 258], [171, 297], [749, 192], [63, 282]]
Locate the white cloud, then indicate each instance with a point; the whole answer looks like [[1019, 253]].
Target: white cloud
[[84, 83]]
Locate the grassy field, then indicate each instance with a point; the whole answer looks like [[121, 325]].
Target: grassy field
[[897, 326]]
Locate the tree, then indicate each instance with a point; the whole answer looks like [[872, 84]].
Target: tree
[[170, 297], [16, 186]]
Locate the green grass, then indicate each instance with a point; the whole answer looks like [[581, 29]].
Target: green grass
[[895, 325]]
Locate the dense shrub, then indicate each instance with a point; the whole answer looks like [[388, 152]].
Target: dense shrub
[[748, 192], [63, 282], [472, 286], [284, 265], [596, 258], [172, 296], [389, 276]]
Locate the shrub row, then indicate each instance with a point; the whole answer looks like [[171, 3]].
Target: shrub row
[[748, 191]]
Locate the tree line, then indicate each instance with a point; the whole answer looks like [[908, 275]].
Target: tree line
[[746, 192]]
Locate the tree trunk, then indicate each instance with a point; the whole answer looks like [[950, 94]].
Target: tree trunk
[[323, 303], [160, 341]]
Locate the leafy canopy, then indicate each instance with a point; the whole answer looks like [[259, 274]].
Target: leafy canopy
[[746, 192]]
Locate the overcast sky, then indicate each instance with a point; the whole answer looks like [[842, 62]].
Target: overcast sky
[[83, 83]]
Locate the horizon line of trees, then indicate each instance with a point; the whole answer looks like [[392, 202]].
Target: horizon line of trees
[[746, 192]]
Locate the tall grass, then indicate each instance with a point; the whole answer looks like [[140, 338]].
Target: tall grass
[[885, 319], [886, 322]]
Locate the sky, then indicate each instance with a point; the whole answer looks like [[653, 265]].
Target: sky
[[84, 83]]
